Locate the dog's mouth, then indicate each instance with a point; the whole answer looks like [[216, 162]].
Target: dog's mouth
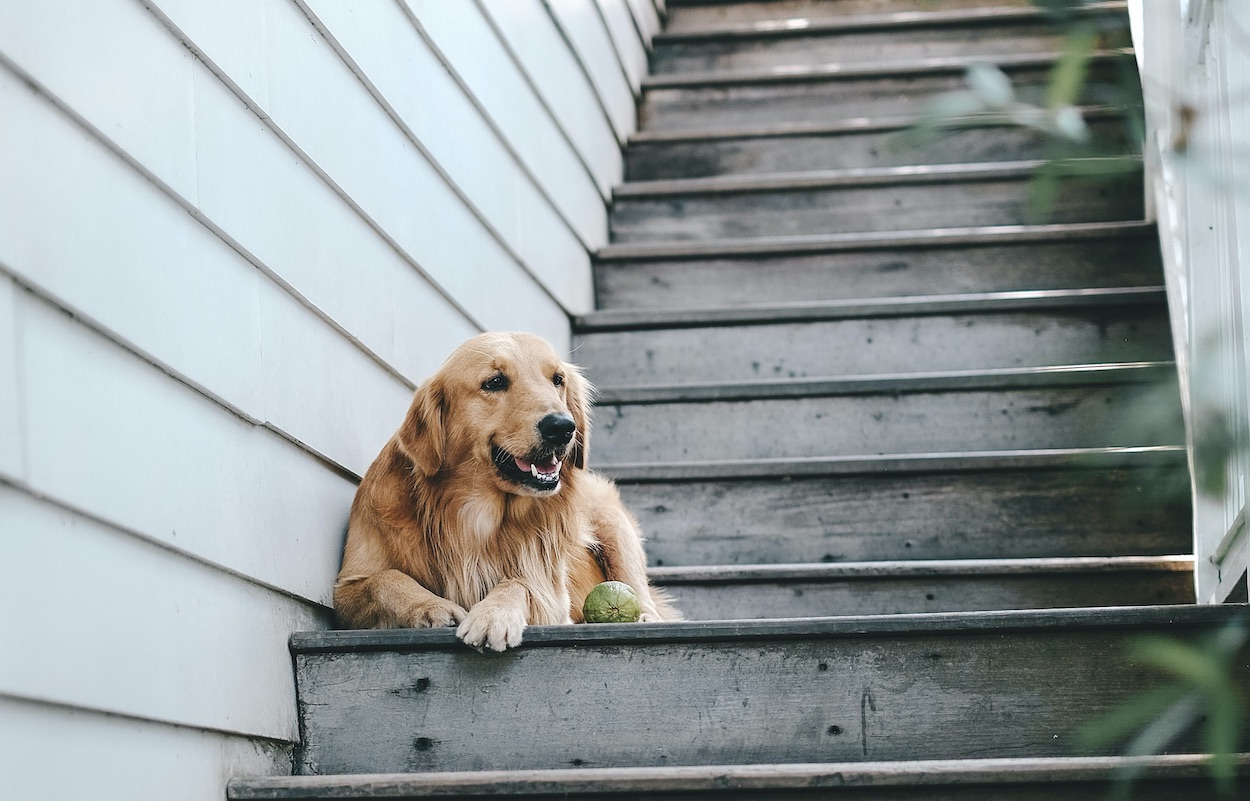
[[540, 472]]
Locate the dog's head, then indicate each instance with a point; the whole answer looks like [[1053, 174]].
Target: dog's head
[[504, 406]]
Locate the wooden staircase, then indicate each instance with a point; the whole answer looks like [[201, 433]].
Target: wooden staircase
[[901, 452]]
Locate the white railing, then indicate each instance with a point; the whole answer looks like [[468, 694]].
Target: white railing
[[1195, 64]]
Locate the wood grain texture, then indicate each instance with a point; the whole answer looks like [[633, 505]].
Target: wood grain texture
[[704, 16], [928, 780], [885, 272], [887, 207], [897, 344], [812, 698], [955, 515], [875, 146]]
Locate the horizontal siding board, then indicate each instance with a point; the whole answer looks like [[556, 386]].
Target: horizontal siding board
[[121, 759], [86, 228], [647, 15], [122, 67], [93, 233], [465, 39], [533, 37], [157, 458], [400, 66], [317, 244], [624, 30], [10, 408], [211, 653], [322, 106], [592, 43]]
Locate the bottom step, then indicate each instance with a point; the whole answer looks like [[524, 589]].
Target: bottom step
[[1170, 778]]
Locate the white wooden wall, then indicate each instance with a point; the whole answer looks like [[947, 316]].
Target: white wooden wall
[[1195, 57], [234, 236]]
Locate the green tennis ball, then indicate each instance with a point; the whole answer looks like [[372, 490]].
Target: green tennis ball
[[612, 602]]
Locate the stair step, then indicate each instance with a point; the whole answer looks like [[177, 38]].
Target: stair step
[[878, 199], [834, 93], [985, 33], [953, 506], [1122, 258], [1007, 330], [881, 588], [1174, 777], [1105, 414], [864, 143], [696, 18], [854, 689]]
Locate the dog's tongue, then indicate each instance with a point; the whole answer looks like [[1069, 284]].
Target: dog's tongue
[[545, 466]]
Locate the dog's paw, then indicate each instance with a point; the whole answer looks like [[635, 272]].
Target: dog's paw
[[433, 614], [493, 626]]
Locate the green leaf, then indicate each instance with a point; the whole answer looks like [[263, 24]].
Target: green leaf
[[1067, 78]]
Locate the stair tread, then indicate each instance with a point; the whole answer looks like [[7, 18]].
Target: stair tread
[[615, 319], [1151, 455], [836, 71], [864, 22], [724, 778], [815, 243], [1016, 620], [1010, 377], [865, 176], [920, 568]]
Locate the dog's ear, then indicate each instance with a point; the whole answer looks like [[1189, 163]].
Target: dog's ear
[[422, 437], [580, 395]]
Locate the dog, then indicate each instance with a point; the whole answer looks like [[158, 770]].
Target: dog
[[480, 513]]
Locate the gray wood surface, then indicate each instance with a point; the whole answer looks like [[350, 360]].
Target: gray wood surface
[[900, 423], [927, 694], [705, 16], [952, 515], [938, 778], [903, 587], [891, 146], [721, 107], [866, 346], [798, 212]]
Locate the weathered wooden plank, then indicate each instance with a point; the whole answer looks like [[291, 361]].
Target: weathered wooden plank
[[833, 689], [880, 145], [1162, 777], [733, 106], [1007, 267], [864, 346], [884, 588], [886, 207], [923, 422], [694, 17], [1035, 512], [987, 39]]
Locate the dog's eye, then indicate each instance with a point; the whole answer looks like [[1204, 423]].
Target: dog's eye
[[558, 379], [496, 383]]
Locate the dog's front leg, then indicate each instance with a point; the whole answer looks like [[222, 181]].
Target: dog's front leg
[[498, 620]]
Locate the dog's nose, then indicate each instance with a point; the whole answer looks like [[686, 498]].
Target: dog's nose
[[556, 429]]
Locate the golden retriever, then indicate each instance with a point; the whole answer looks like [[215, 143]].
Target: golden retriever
[[479, 511]]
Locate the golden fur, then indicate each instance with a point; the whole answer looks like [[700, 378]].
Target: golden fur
[[440, 536]]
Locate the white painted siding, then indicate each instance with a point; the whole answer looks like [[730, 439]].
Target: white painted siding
[[1196, 75], [234, 236]]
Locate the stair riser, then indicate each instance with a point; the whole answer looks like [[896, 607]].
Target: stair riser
[[827, 102], [868, 424], [889, 148], [876, 208], [885, 596], [812, 698], [877, 274], [698, 17], [974, 515], [986, 41], [868, 346]]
